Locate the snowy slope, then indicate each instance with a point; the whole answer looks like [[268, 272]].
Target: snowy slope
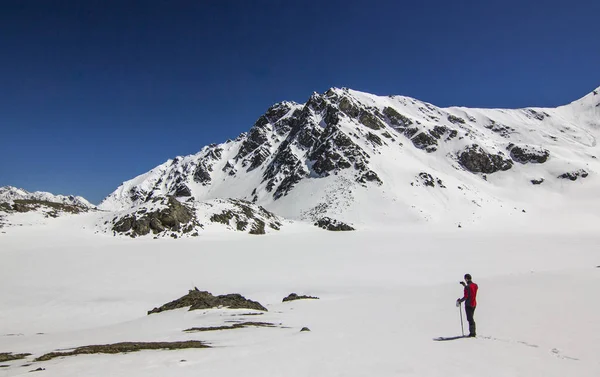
[[372, 160]]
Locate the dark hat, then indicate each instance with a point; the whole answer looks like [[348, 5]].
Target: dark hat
[[468, 276]]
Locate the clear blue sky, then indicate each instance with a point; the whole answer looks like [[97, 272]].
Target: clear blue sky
[[93, 93]]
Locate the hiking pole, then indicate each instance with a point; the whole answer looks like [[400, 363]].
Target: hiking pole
[[462, 327]]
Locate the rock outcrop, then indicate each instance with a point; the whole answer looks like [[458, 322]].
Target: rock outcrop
[[245, 216], [170, 215], [574, 175], [328, 223], [294, 296], [196, 299], [528, 154], [476, 160]]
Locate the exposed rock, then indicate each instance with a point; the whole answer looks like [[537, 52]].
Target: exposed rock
[[182, 190], [370, 176], [371, 121], [304, 329], [293, 297], [335, 151], [427, 179], [258, 227], [396, 119], [259, 156], [376, 140], [456, 120], [197, 299], [9, 356], [244, 214], [328, 223], [476, 160], [256, 137], [428, 140], [410, 132], [175, 217], [527, 154], [239, 325], [124, 347], [202, 174], [537, 181], [224, 217], [536, 115], [228, 168], [500, 129], [574, 175], [425, 141], [348, 108]]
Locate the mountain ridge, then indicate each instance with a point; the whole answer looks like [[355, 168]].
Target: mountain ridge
[[11, 193], [320, 158]]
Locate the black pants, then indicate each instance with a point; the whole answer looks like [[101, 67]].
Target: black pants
[[470, 310]]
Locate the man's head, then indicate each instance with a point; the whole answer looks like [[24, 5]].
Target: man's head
[[468, 277]]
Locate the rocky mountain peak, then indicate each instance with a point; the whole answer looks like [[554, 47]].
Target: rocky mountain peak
[[313, 159]]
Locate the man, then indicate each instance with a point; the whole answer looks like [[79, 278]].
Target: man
[[470, 300]]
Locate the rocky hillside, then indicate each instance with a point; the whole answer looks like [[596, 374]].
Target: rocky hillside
[[42, 205], [363, 158], [166, 216]]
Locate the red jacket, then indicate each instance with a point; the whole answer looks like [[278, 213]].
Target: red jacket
[[470, 296]]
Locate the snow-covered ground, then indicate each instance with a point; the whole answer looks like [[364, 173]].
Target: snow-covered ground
[[384, 296]]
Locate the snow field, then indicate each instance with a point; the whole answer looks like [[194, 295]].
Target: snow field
[[384, 296]]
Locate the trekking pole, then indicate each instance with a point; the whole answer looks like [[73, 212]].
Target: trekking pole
[[462, 328]]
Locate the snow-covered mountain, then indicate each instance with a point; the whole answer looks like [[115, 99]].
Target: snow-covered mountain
[[364, 158], [9, 194], [20, 207]]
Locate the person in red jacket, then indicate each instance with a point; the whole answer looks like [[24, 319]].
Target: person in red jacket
[[470, 300]]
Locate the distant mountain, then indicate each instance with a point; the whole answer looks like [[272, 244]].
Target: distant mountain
[[15, 202], [9, 194], [363, 158]]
